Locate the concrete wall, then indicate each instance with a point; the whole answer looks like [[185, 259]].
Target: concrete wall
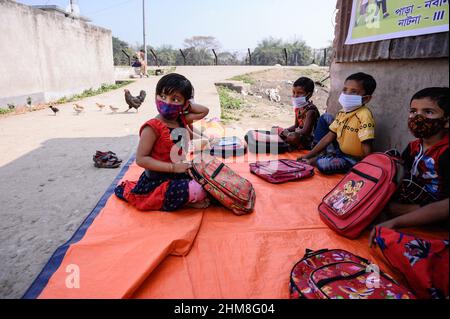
[[397, 82], [46, 55]]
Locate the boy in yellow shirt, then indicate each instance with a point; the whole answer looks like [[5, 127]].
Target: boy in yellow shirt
[[353, 128]]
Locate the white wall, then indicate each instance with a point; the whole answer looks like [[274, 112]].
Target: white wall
[[46, 55]]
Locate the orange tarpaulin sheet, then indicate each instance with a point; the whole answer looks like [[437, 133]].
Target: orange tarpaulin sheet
[[208, 253]]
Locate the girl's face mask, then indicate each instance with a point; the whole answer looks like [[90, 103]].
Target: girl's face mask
[[424, 127], [170, 112]]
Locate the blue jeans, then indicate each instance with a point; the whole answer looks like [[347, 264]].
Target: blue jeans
[[322, 129], [335, 163]]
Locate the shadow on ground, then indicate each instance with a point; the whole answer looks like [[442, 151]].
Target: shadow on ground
[[44, 196]]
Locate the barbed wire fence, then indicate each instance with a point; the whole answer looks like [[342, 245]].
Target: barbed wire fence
[[272, 56]]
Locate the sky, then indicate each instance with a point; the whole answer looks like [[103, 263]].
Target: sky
[[236, 24]]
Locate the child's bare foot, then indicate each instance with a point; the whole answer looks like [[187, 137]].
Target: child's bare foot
[[203, 204]]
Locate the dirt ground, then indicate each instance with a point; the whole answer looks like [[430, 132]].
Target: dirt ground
[[259, 112]]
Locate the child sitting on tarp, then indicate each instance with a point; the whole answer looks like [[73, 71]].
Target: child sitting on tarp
[[300, 135], [423, 195], [353, 128], [165, 184]]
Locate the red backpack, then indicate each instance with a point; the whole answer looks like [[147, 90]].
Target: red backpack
[[422, 261], [338, 274], [221, 182], [361, 195], [280, 171]]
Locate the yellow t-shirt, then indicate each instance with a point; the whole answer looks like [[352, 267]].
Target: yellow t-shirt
[[352, 129]]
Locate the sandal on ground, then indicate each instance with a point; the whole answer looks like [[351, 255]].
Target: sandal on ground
[[105, 156], [106, 160], [106, 163]]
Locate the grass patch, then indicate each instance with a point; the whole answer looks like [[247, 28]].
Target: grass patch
[[244, 78], [91, 92], [5, 111], [163, 70], [227, 101], [228, 104]]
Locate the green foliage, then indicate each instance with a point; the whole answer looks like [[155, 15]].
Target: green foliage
[[270, 51], [6, 111], [246, 78], [227, 101], [228, 104], [91, 92], [198, 51], [164, 71], [119, 57]]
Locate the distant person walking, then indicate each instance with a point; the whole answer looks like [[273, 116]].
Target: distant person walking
[[143, 62]]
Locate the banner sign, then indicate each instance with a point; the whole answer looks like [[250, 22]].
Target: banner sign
[[376, 20]]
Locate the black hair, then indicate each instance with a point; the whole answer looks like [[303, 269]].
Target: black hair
[[368, 82], [437, 94], [306, 83], [175, 82]]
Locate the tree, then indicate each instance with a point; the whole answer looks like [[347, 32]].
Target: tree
[[167, 55], [228, 58], [270, 51], [119, 57], [321, 59], [299, 53], [198, 49]]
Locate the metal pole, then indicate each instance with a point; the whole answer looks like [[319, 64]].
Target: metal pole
[[145, 36], [184, 57], [216, 60], [286, 56], [155, 56]]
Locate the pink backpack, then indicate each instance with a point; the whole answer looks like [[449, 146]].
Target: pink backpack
[[280, 171]]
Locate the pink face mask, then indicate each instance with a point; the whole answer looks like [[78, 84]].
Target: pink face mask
[[169, 111]]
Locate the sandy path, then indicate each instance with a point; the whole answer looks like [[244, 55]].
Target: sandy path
[[48, 181]]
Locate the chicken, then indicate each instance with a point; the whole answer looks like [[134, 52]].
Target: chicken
[[78, 106], [77, 110], [100, 106], [54, 109], [114, 109], [134, 101]]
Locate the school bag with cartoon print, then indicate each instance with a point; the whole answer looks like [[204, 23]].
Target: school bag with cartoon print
[[221, 182], [339, 274], [424, 262], [361, 195]]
